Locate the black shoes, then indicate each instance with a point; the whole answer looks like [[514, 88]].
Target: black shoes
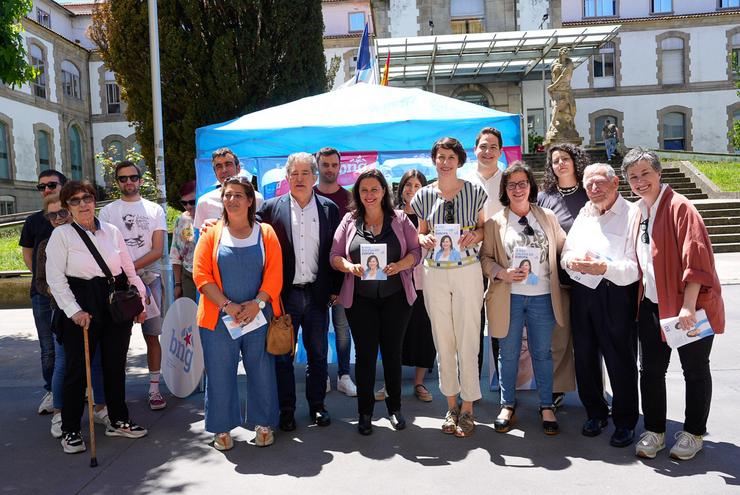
[[320, 417], [504, 425], [592, 427], [287, 421], [557, 399], [550, 427], [365, 424], [398, 422], [622, 437]]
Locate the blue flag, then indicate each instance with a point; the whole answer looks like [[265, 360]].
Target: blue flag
[[364, 72]]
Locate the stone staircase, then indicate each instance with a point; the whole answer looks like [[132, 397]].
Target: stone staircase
[[721, 216]]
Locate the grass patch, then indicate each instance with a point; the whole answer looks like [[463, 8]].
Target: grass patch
[[726, 175], [11, 256]]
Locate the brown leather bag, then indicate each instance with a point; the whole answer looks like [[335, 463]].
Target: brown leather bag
[[280, 334]]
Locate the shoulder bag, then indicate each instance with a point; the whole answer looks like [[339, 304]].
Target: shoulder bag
[[280, 334]]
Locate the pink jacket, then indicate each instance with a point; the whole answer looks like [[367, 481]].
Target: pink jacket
[[407, 236]]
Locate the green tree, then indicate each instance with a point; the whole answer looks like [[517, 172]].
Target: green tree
[[107, 162], [219, 59], [14, 66]]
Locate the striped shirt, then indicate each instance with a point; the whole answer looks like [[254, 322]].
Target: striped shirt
[[428, 205]]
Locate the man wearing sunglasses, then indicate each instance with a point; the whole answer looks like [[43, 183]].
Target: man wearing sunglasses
[[37, 229], [210, 207], [143, 224]]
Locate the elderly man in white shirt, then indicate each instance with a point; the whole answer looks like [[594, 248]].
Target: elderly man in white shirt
[[210, 207], [599, 254]]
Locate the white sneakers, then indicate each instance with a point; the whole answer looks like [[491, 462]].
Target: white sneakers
[[56, 425], [345, 385], [47, 404], [126, 429], [685, 448], [101, 417]]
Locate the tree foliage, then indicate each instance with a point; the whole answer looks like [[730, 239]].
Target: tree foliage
[[14, 66], [219, 59], [106, 160]]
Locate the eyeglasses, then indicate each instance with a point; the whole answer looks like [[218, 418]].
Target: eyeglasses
[[53, 215], [528, 230], [87, 199], [237, 179], [125, 178], [644, 237], [449, 212], [185, 204], [47, 185], [511, 186]]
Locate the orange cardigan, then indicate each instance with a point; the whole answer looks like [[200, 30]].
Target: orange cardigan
[[205, 271]]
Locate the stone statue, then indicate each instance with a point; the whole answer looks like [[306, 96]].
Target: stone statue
[[562, 103]]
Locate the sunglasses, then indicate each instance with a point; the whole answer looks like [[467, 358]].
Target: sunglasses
[[87, 199], [125, 178], [449, 211], [185, 204], [644, 237], [47, 185], [53, 215], [528, 230]]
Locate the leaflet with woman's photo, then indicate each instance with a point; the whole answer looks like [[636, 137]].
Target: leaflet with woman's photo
[[675, 336], [447, 247], [590, 281], [527, 259], [373, 258]]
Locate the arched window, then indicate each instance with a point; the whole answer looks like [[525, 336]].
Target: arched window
[[37, 60], [600, 124], [674, 131], [735, 120], [71, 80], [4, 151], [119, 151], [43, 143], [7, 205], [673, 60], [75, 152], [472, 96], [736, 53]]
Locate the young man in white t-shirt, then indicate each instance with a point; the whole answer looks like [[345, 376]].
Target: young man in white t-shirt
[[143, 225]]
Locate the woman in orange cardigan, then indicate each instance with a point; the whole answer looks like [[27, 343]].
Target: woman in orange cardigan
[[238, 269]]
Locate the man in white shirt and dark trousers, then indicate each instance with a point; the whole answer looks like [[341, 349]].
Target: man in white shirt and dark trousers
[[599, 255], [305, 224], [143, 225]]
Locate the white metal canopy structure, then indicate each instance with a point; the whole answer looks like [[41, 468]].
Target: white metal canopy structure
[[486, 57]]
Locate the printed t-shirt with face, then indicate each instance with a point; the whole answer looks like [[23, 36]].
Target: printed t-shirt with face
[[515, 237], [137, 221]]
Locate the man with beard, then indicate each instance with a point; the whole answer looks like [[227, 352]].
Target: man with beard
[[143, 225]]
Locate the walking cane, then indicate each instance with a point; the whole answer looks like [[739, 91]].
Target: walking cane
[[90, 409]]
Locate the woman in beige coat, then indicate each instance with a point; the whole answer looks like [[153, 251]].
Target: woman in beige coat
[[518, 297]]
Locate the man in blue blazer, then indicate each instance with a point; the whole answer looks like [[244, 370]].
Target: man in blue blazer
[[304, 223]]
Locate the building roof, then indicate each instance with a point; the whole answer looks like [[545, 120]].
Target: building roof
[[652, 18], [486, 57]]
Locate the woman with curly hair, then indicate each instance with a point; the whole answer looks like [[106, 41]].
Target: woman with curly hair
[[563, 193]]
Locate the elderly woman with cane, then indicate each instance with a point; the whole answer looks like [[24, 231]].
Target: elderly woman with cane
[[78, 256]]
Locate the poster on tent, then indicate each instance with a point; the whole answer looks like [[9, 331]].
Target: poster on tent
[[353, 164], [396, 163], [206, 179], [272, 180]]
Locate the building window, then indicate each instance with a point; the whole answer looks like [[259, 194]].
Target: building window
[[71, 80], [536, 121], [604, 62], [43, 142], [356, 22], [600, 123], [729, 4], [467, 16], [674, 131], [673, 60], [472, 96], [75, 152], [735, 43], [735, 119], [37, 60], [661, 6], [4, 151], [43, 18], [112, 93], [7, 205], [117, 152], [599, 8]]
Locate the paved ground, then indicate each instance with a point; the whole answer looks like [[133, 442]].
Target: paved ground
[[176, 457]]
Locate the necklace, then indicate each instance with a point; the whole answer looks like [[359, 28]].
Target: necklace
[[567, 191]]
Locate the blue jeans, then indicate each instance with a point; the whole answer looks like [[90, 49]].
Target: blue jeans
[[221, 357], [343, 339], [536, 313], [611, 147], [57, 381], [42, 317]]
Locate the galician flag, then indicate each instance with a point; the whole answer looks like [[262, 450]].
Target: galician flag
[[365, 72]]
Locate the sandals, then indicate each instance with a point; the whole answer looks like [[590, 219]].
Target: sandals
[[504, 425], [421, 393], [264, 436], [223, 441], [550, 427], [450, 423]]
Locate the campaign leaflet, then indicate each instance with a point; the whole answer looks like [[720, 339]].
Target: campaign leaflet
[[590, 281], [373, 258], [676, 337], [236, 330], [447, 247], [528, 260]]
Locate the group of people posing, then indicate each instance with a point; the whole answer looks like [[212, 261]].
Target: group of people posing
[[571, 266]]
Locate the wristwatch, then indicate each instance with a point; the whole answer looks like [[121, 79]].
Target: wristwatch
[[260, 303]]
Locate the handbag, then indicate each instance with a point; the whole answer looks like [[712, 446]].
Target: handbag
[[123, 305], [280, 334]]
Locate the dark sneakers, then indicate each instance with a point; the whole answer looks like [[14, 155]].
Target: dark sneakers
[[320, 417], [622, 437], [592, 427], [72, 442]]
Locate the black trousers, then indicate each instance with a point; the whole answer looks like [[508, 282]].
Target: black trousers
[[377, 323], [114, 339], [603, 322], [654, 358]]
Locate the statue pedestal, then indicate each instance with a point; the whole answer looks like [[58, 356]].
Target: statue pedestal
[[567, 135]]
